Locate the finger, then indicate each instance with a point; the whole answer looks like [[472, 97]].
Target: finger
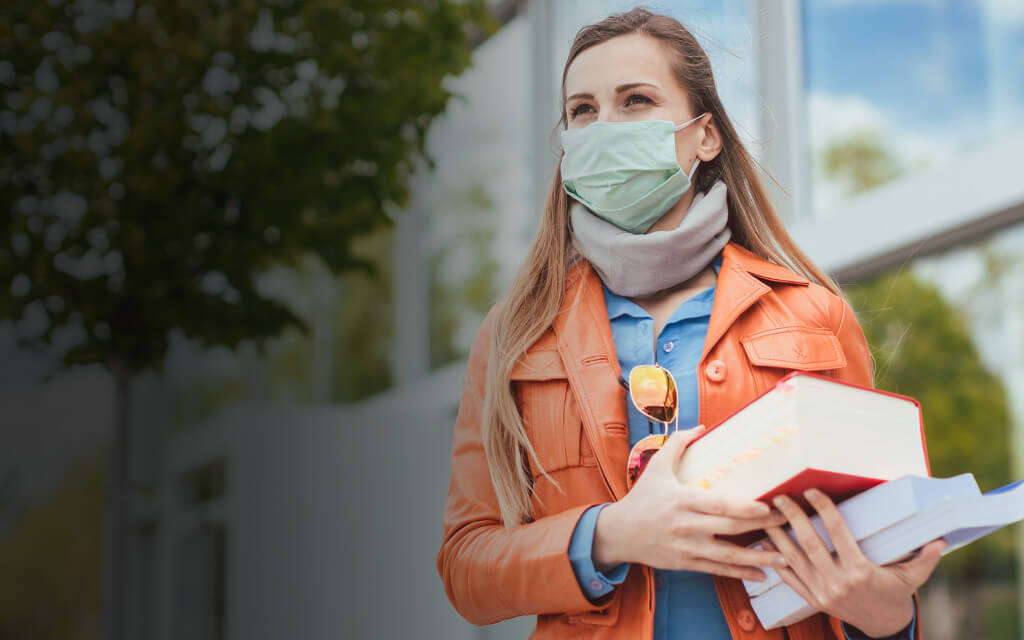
[[722, 504], [808, 538], [848, 550], [728, 570], [796, 584], [918, 569], [726, 525], [789, 576], [674, 447], [795, 558], [728, 553]]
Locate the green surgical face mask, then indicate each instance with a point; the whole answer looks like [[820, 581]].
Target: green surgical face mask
[[625, 172]]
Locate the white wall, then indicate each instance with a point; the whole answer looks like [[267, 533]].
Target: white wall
[[335, 516]]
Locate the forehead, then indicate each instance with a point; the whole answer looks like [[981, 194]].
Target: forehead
[[633, 57]]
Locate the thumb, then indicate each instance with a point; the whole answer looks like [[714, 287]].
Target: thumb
[[676, 444], [918, 569]]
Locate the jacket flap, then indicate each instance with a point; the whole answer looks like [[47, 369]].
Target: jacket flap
[[803, 348], [539, 364]]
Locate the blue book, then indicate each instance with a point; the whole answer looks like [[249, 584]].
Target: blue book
[[877, 508], [955, 515]]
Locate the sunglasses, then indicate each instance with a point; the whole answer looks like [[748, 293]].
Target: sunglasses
[[653, 392]]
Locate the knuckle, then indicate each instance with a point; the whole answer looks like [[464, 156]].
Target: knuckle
[[860, 574], [716, 506], [837, 591], [681, 527]]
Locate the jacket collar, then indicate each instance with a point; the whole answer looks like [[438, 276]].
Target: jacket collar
[[584, 339]]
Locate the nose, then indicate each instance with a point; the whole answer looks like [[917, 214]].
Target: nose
[[609, 113]]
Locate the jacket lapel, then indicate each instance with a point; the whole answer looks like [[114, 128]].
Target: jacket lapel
[[584, 337], [737, 288]]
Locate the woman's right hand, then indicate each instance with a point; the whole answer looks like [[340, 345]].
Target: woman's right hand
[[668, 525]]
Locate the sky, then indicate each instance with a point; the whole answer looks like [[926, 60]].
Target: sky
[[936, 78]]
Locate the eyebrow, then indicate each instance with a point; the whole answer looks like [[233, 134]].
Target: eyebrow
[[618, 89]]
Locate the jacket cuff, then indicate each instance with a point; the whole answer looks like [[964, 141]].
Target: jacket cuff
[[907, 633]]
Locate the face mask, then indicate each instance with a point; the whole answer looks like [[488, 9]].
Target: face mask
[[625, 172]]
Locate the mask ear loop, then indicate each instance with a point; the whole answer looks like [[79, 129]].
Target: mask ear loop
[[696, 161], [689, 122]]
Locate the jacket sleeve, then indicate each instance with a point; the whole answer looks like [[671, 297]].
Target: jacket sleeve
[[858, 370], [491, 573]]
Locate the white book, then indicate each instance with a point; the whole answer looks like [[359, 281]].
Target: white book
[[959, 519], [875, 509], [809, 431]]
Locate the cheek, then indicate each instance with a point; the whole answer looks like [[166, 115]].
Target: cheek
[[686, 153]]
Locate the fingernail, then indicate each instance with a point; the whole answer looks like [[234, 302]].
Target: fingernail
[[812, 494], [780, 561], [779, 501]]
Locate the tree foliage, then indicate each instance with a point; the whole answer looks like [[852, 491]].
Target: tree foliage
[[160, 156]]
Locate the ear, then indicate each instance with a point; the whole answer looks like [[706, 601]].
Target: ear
[[710, 141]]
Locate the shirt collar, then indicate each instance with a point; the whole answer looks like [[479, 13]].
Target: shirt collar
[[620, 305]]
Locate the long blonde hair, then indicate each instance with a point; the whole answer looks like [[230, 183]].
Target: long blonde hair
[[535, 295]]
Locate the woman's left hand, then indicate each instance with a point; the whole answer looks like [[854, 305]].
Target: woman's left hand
[[876, 600]]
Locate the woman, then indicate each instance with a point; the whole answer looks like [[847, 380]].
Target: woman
[[634, 259]]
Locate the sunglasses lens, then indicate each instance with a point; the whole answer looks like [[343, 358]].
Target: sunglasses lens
[[654, 392], [640, 455]]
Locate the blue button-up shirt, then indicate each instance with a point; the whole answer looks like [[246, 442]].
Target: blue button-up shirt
[[686, 602]]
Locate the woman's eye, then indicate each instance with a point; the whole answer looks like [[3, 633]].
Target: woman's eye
[[576, 110], [642, 99]]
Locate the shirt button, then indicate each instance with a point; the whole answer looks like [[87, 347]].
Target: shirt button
[[596, 584], [747, 620], [668, 347], [715, 371], [659, 581]]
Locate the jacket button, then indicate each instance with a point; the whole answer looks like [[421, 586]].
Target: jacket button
[[747, 620], [715, 371]]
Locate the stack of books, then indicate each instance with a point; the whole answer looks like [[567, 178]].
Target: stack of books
[[809, 431], [863, 447]]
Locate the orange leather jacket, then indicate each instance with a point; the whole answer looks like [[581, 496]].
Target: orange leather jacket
[[766, 321]]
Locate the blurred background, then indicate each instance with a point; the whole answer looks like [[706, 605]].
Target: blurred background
[[245, 247]]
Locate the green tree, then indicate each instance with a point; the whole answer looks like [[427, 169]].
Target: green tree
[[158, 157], [859, 161], [472, 247]]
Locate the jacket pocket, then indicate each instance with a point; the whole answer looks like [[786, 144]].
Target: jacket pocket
[[550, 414], [796, 348]]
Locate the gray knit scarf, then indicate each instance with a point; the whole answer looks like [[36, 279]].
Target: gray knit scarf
[[639, 264]]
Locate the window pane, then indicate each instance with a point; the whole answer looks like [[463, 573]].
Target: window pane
[[893, 87]]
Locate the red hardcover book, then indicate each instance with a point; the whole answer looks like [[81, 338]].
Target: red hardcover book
[[809, 431]]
